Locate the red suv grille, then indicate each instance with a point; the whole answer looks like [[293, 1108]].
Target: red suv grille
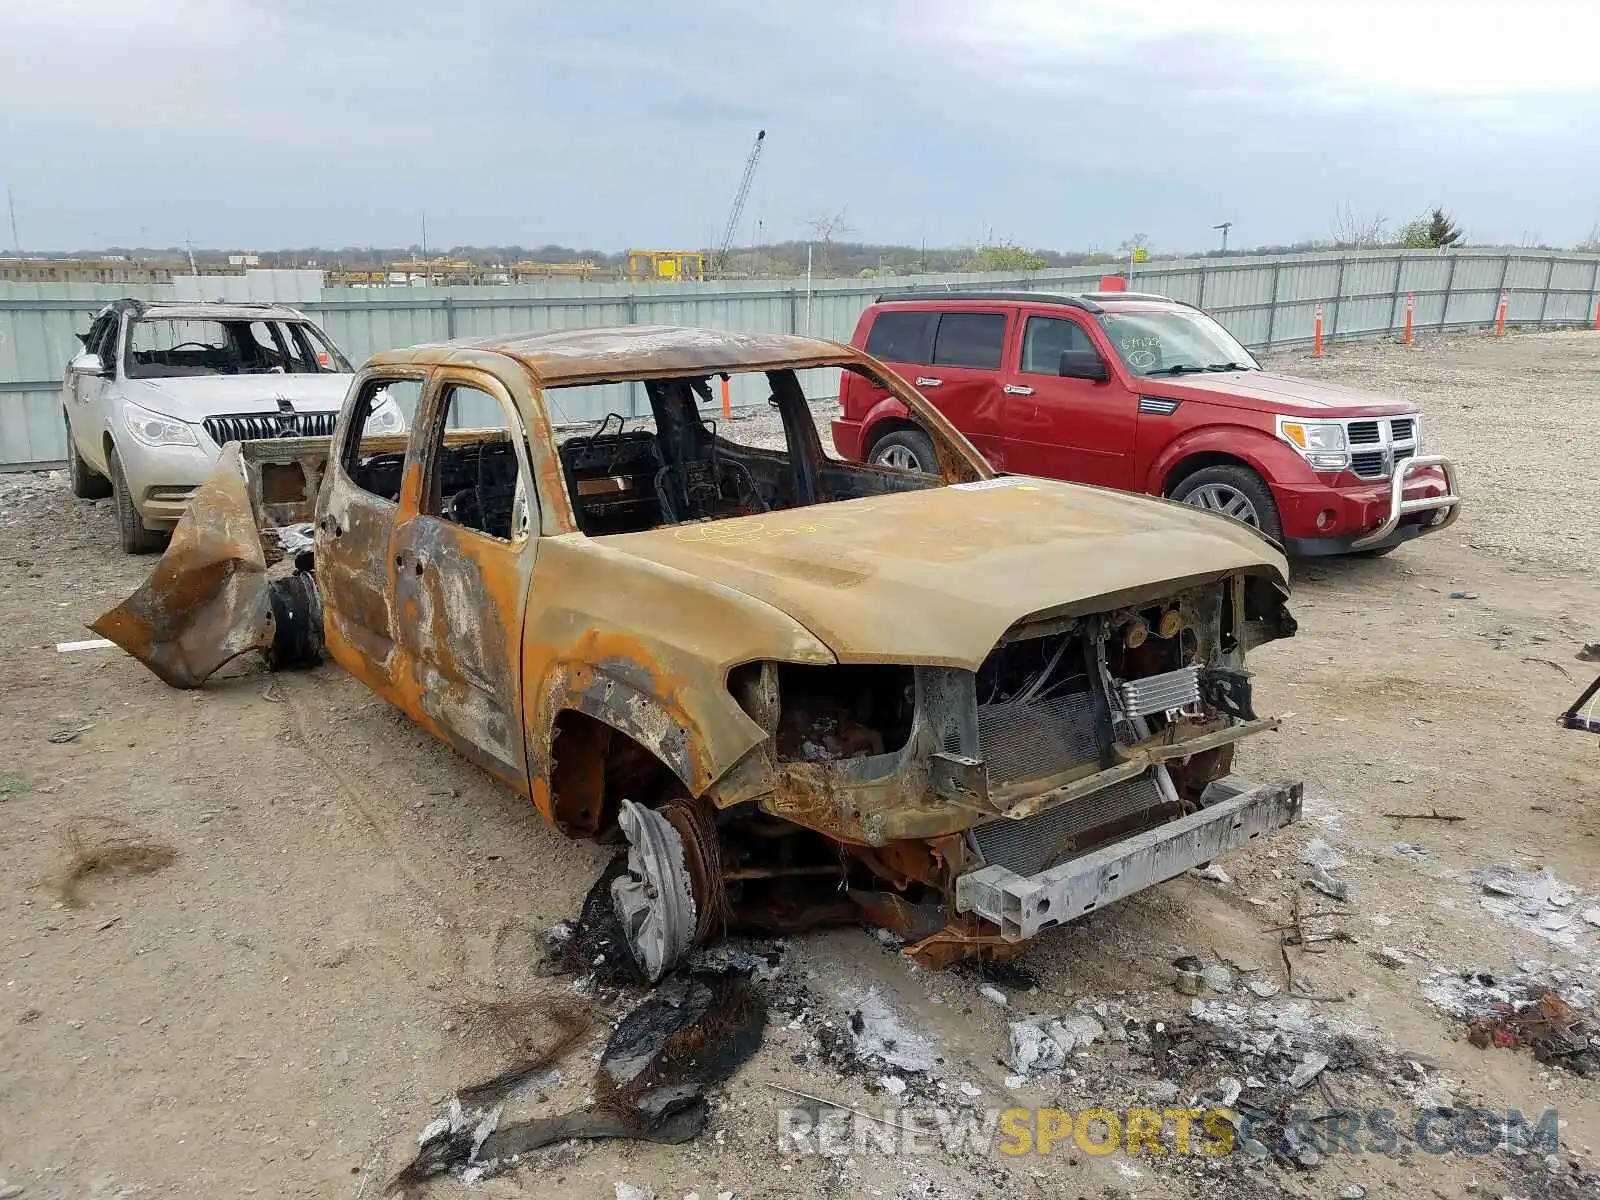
[[1364, 433]]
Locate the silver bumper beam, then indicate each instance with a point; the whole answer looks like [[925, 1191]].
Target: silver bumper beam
[[1024, 906], [1400, 507]]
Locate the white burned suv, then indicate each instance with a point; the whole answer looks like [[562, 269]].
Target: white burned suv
[[160, 388]]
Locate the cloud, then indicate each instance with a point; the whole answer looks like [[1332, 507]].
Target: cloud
[[1355, 47], [621, 123]]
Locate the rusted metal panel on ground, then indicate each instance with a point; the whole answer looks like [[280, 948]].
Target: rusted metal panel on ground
[[206, 602], [210, 597]]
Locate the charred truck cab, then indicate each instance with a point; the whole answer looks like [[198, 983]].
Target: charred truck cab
[[968, 707]]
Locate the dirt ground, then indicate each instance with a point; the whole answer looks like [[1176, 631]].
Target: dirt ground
[[277, 1012]]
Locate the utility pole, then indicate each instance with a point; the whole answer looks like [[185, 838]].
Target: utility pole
[[428, 276], [1225, 226], [11, 204], [808, 289]]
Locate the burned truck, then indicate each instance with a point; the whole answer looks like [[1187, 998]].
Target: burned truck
[[965, 706]]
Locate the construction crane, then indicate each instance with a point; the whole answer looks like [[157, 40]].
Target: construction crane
[[721, 265]]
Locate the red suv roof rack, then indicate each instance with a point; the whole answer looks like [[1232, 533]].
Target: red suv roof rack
[[1071, 301], [1092, 302]]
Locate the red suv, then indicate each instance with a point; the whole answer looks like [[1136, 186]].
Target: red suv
[[1147, 394]]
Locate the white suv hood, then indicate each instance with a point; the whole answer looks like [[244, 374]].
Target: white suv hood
[[193, 398]]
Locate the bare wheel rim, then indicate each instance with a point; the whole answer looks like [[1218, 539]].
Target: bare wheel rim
[[901, 458], [654, 900], [1226, 500]]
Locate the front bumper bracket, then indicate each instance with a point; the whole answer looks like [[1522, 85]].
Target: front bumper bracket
[[1024, 906]]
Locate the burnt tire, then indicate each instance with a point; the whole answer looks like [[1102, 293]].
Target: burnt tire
[[1234, 492], [905, 450], [136, 537], [87, 483]]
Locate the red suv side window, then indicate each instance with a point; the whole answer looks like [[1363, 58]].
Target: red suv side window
[[970, 340], [1045, 339], [905, 337]]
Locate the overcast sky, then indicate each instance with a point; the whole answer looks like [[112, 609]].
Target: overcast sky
[[615, 124]]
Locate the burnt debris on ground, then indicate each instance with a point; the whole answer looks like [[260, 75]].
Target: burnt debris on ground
[[511, 1021], [1547, 1010], [595, 944], [692, 1032]]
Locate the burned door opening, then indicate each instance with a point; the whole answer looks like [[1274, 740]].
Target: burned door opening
[[356, 516], [463, 554]]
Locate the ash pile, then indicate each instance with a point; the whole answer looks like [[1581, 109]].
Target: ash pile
[[1549, 1011]]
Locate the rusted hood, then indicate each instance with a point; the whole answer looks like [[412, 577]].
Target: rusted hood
[[935, 577]]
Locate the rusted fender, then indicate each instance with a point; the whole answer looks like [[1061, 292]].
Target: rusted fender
[[207, 600]]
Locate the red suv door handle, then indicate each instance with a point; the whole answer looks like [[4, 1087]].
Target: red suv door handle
[[925, 381]]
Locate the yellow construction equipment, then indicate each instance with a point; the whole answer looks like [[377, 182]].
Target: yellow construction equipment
[[666, 266]]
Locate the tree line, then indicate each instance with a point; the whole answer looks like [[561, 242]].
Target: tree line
[[1350, 229]]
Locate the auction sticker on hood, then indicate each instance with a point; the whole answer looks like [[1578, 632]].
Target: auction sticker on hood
[[988, 485]]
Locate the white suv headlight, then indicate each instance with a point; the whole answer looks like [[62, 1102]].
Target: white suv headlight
[[153, 429], [1321, 443]]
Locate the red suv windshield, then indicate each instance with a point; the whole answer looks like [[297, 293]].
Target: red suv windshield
[[1166, 342]]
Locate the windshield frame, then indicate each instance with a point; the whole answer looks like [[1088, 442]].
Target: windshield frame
[[338, 364], [1226, 349], [959, 462]]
